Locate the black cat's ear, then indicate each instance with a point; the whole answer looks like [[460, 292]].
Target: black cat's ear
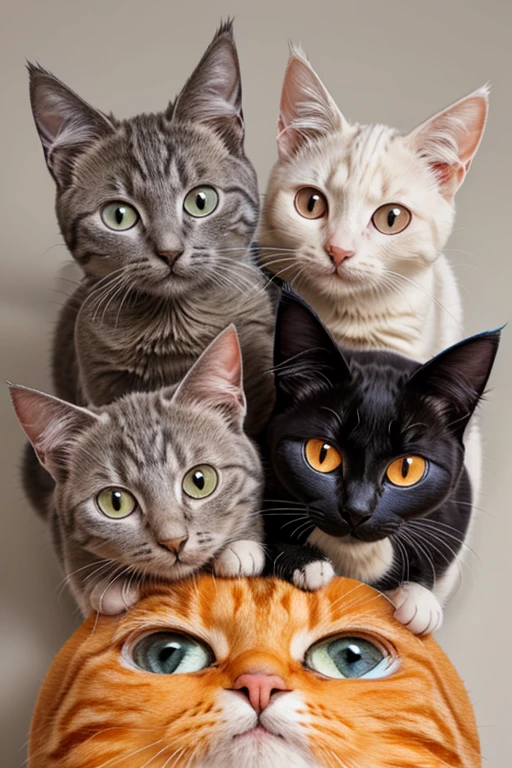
[[51, 425], [213, 93], [306, 357], [66, 123], [456, 378]]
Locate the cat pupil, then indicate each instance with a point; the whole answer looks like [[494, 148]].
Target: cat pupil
[[406, 465], [198, 480], [201, 201], [323, 452], [116, 500], [119, 214], [311, 204], [353, 654], [392, 216]]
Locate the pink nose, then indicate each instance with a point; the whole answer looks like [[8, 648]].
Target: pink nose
[[338, 254], [259, 688]]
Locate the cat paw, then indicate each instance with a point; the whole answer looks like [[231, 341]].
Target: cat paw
[[241, 558], [313, 576], [417, 608], [113, 597]]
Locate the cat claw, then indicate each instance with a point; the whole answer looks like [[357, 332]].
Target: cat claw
[[313, 576], [241, 558], [113, 597], [417, 608]]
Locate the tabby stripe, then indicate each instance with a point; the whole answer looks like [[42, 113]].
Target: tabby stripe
[[74, 228], [240, 191]]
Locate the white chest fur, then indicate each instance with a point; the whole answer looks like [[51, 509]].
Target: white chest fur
[[365, 561]]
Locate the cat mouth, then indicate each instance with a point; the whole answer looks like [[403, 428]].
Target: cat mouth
[[258, 733]]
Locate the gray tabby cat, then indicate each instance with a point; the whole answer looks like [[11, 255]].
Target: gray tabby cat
[[159, 211], [155, 484]]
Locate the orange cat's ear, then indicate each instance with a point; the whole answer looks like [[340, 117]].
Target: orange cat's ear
[[215, 379], [51, 425], [449, 140], [307, 111]]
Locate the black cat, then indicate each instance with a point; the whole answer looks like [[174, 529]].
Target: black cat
[[365, 457]]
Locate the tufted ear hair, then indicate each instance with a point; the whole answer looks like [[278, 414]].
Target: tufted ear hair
[[449, 140], [51, 425], [307, 111], [66, 123], [456, 378], [213, 93], [306, 357], [215, 380]]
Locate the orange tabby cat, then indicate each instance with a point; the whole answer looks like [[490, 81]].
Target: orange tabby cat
[[253, 674]]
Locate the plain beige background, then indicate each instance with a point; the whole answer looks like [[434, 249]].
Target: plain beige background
[[395, 62]]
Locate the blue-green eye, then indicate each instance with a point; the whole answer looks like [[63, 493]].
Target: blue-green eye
[[169, 653], [201, 201], [348, 658], [119, 216]]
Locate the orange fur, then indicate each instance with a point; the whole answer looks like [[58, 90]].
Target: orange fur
[[95, 711]]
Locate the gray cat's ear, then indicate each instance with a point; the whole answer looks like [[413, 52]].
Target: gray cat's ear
[[307, 110], [449, 140], [213, 93], [215, 380], [51, 425], [66, 123]]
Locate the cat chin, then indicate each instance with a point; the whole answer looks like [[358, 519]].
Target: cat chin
[[245, 752]]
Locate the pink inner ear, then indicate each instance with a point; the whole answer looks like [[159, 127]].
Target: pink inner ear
[[443, 171]]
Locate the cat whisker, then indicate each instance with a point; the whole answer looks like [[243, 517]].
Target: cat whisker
[[420, 288]]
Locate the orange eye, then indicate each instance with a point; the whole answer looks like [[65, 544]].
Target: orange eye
[[310, 203], [406, 471], [322, 456], [392, 218]]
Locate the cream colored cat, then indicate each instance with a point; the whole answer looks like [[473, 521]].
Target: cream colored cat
[[356, 216]]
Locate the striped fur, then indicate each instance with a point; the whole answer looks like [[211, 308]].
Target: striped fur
[[139, 322], [146, 443], [96, 710]]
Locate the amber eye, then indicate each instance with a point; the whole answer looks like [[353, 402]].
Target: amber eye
[[322, 456], [310, 203], [390, 219], [406, 471]]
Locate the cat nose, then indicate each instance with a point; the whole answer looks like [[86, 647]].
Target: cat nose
[[175, 545], [338, 254], [169, 256], [259, 688], [356, 516]]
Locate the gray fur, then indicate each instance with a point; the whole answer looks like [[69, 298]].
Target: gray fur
[[146, 443], [135, 322]]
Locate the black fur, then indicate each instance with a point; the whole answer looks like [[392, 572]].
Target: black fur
[[374, 407]]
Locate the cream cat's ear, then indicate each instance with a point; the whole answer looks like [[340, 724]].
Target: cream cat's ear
[[64, 121], [449, 140], [307, 110], [215, 379], [50, 424]]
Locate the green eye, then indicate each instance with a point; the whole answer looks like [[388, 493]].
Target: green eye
[[119, 216], [349, 658], [168, 653], [116, 502], [200, 481], [201, 201]]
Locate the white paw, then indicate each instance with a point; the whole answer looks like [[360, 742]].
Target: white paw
[[417, 608], [313, 576], [113, 597], [241, 558]]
